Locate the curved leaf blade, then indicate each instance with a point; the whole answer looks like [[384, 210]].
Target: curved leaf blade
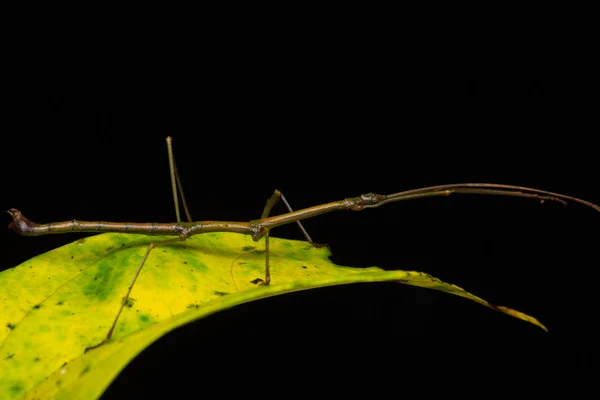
[[60, 303]]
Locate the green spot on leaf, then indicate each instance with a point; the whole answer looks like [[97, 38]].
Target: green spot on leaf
[[16, 389], [145, 319], [85, 370], [167, 295]]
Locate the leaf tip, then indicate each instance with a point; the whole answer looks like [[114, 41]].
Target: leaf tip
[[522, 316]]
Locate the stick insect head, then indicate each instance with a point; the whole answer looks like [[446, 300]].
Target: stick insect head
[[19, 223]]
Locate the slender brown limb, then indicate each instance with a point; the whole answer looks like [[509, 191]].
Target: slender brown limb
[[267, 267], [173, 179], [258, 228], [176, 186], [126, 297], [277, 195], [304, 232], [176, 183], [266, 211], [180, 186], [271, 203]]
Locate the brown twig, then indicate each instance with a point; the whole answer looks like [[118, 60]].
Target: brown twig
[[258, 228]]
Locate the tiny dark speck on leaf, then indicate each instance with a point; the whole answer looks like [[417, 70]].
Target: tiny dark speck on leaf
[[71, 257], [31, 266], [37, 306], [248, 248], [256, 281], [10, 356], [37, 359], [10, 326], [304, 266], [185, 262], [60, 303], [85, 370]]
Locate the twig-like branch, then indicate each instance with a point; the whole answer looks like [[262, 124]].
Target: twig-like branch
[[258, 228]]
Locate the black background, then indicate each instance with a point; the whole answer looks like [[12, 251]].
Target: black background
[[324, 110]]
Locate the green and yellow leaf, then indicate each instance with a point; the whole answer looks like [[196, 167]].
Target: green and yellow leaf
[[56, 305]]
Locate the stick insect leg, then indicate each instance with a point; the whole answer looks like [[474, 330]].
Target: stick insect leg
[[176, 186], [277, 195], [126, 298]]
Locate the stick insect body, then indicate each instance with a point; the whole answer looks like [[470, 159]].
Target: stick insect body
[[261, 227]]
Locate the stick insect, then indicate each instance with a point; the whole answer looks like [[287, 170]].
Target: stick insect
[[262, 227]]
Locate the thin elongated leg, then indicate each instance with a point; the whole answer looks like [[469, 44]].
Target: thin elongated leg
[[177, 188], [176, 185], [277, 195], [267, 271], [126, 298]]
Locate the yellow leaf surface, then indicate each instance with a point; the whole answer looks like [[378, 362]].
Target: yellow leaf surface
[[60, 303]]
